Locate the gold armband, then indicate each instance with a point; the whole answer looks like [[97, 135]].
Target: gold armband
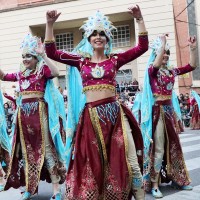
[[49, 41], [143, 33]]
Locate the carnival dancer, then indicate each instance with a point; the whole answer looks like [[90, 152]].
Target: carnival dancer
[[194, 110], [108, 148], [5, 146], [178, 115], [36, 137], [163, 153]]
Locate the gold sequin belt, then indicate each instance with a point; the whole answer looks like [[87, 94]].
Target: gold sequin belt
[[162, 97], [32, 94], [99, 87]]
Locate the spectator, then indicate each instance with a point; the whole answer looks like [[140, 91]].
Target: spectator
[[185, 115], [135, 85]]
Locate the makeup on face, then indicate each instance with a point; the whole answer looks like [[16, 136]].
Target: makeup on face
[[27, 57], [101, 33]]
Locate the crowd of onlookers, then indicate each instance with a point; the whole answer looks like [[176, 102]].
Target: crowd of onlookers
[[184, 102], [9, 109], [126, 91]]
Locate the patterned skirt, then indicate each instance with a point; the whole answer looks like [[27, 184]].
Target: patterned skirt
[[99, 168], [27, 166], [173, 165]]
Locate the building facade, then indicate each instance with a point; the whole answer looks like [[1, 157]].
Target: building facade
[[18, 17]]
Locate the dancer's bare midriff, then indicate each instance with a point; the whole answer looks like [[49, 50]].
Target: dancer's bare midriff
[[95, 95]]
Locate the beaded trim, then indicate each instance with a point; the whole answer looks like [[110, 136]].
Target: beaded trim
[[164, 97], [143, 33], [31, 92], [99, 87], [49, 41]]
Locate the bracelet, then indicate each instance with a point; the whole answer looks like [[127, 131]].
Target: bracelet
[[143, 33], [49, 41]]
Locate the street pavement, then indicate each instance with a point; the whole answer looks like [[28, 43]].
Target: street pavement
[[190, 140]]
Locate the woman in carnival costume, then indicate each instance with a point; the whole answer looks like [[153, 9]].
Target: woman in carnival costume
[[107, 145], [38, 148], [178, 115], [5, 146], [194, 110], [163, 157]]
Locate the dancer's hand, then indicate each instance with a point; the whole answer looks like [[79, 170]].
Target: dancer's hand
[[40, 49], [135, 12], [163, 39], [192, 42], [52, 16]]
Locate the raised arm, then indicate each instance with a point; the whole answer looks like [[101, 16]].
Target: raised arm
[[159, 57], [193, 45], [51, 17], [192, 62], [9, 97], [142, 46], [50, 64], [51, 50]]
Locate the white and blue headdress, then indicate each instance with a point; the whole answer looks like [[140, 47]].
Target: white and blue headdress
[[98, 22], [29, 44], [156, 46]]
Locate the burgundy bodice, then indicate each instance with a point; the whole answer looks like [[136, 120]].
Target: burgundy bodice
[[30, 81], [162, 79], [101, 75]]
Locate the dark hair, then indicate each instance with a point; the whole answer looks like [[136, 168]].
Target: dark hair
[[107, 39], [167, 52]]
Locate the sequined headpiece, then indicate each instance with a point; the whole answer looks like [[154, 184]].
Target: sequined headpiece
[[29, 44], [98, 22], [156, 45]]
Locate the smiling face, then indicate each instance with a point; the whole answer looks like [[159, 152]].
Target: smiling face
[[98, 39], [29, 61]]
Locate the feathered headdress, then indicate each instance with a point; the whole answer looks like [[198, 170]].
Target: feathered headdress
[[156, 45], [29, 44], [98, 22]]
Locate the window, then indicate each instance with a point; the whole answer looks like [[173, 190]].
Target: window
[[121, 36], [124, 75], [65, 41]]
